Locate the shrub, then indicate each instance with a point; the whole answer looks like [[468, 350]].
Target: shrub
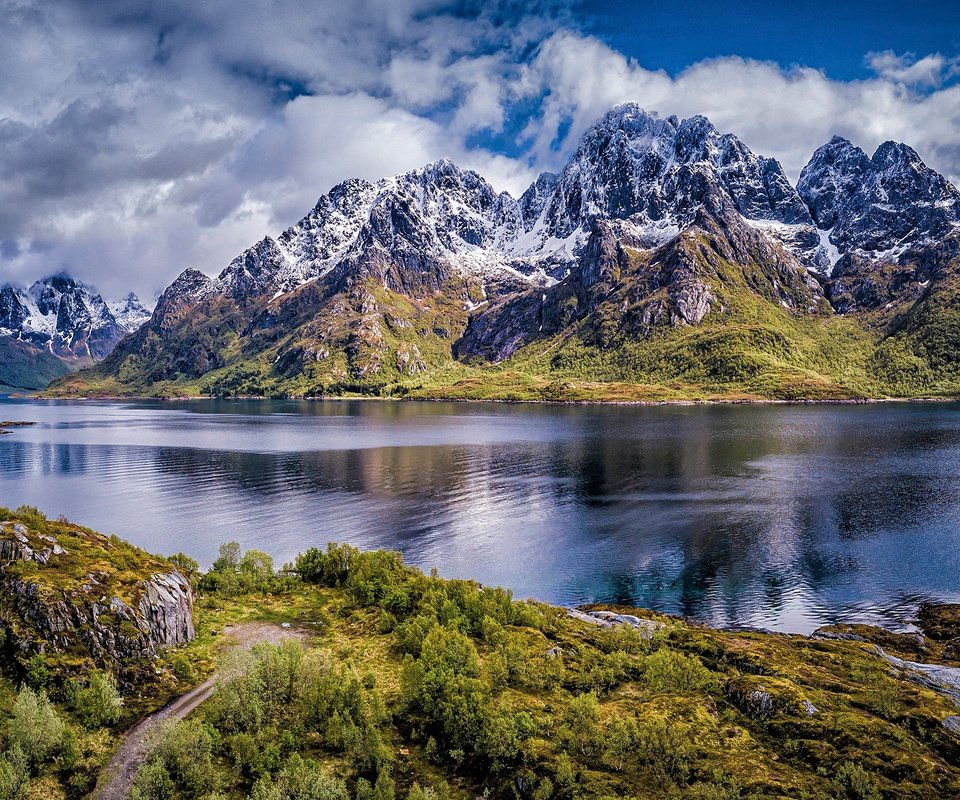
[[666, 748], [580, 719], [183, 755], [237, 705], [38, 673], [300, 779], [152, 782], [852, 781], [183, 669], [620, 738], [98, 703], [14, 775], [34, 729], [670, 671]]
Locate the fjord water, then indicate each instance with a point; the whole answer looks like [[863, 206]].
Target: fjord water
[[781, 517]]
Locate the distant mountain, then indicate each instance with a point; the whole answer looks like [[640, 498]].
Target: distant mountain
[[56, 325], [665, 260]]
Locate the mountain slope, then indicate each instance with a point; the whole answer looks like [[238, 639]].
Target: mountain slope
[[660, 241], [24, 367]]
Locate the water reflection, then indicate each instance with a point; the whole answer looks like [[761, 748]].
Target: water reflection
[[780, 517]]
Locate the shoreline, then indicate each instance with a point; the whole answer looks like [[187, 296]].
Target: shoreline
[[720, 401]]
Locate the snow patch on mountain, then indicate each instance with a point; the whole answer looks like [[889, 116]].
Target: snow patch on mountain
[[830, 251]]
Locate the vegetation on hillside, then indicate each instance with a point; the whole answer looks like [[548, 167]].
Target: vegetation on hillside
[[748, 348], [411, 686], [24, 367]]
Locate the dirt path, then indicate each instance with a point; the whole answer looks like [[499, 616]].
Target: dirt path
[[117, 779]]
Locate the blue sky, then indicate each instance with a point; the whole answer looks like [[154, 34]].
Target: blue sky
[[832, 36], [138, 138]]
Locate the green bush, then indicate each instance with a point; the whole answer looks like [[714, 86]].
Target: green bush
[[14, 775], [853, 782], [34, 728], [152, 782], [300, 779], [98, 703], [182, 757], [670, 671]]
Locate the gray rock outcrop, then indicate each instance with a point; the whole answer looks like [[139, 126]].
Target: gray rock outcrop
[[51, 609]]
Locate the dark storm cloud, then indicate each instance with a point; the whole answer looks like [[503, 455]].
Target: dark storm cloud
[[137, 138]]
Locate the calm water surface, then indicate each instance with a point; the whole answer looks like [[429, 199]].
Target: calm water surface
[[775, 516]]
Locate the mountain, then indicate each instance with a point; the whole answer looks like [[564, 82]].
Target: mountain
[[878, 215], [665, 260], [58, 324]]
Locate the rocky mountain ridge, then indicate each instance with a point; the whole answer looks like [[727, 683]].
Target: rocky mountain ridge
[[632, 166], [654, 225]]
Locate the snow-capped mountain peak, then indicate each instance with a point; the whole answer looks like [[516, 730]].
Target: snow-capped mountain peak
[[877, 205], [67, 318], [646, 172]]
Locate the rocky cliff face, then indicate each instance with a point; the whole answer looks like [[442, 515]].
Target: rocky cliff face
[[69, 593], [636, 290]]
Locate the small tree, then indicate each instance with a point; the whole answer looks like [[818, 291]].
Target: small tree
[[581, 719], [384, 788], [256, 568], [14, 775], [229, 558], [303, 779], [38, 673], [35, 729], [620, 740], [99, 702]]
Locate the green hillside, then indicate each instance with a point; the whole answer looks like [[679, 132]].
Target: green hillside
[[23, 367]]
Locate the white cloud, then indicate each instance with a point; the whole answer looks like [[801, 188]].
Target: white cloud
[[171, 134], [931, 70]]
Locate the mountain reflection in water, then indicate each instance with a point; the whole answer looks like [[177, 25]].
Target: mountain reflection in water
[[783, 517]]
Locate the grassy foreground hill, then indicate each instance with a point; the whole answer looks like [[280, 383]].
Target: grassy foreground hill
[[401, 684]]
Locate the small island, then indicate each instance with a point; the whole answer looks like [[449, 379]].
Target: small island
[[5, 426]]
